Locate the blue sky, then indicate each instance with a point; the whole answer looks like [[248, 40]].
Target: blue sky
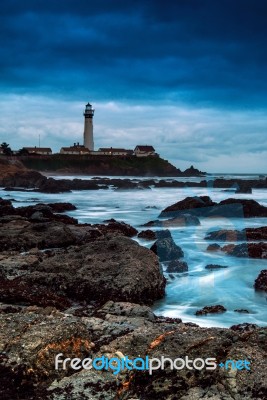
[[187, 76]]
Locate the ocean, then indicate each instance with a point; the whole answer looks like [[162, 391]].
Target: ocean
[[186, 292]]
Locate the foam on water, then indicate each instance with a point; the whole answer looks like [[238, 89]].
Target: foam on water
[[232, 287]]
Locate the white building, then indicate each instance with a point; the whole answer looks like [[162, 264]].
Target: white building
[[144, 151], [112, 151], [88, 135], [76, 149], [44, 151]]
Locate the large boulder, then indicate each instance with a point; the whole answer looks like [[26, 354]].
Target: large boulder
[[177, 266], [109, 268], [203, 206]]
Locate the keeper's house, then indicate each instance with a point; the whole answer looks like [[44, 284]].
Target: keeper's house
[[112, 151], [43, 151], [144, 151], [76, 149]]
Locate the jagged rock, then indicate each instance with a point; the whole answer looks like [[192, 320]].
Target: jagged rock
[[147, 234], [177, 266], [120, 227], [235, 235], [182, 220], [215, 266], [203, 206], [167, 249], [126, 309], [261, 281], [213, 247], [251, 250], [211, 310], [109, 268]]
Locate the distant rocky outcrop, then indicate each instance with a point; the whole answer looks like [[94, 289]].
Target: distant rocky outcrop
[[203, 206]]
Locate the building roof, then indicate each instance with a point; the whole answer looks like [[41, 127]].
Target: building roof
[[75, 148], [114, 150], [46, 149], [145, 148]]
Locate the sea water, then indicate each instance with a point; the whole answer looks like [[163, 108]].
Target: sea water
[[186, 292]]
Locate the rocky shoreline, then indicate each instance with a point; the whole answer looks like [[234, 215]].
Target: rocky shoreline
[[85, 290]]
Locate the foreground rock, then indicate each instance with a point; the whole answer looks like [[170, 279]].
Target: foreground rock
[[32, 337], [211, 310], [203, 206], [251, 250], [108, 268], [261, 281]]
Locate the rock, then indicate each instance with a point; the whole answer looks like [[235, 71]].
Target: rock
[[203, 206], [167, 249], [30, 340], [245, 327], [119, 227], [261, 281], [147, 234], [213, 247], [215, 266], [22, 235], [177, 266], [235, 235], [211, 310], [25, 179], [182, 220], [242, 311], [164, 234], [193, 172], [251, 250], [110, 268], [244, 189], [126, 309], [189, 203], [61, 207]]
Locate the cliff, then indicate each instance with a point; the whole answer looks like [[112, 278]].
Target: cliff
[[106, 165]]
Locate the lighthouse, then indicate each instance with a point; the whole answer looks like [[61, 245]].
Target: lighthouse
[[88, 137]]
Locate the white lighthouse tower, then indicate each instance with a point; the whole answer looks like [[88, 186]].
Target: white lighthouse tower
[[88, 137]]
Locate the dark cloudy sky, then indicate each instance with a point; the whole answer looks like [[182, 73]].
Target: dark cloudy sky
[[187, 76]]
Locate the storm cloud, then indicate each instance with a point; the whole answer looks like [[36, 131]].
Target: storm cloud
[[187, 76]]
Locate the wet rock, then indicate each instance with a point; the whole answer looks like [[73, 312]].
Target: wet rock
[[177, 266], [167, 249], [211, 310], [235, 235], [214, 247], [242, 311], [120, 227], [203, 206], [245, 327], [182, 220], [251, 250], [261, 281], [147, 234], [215, 266]]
